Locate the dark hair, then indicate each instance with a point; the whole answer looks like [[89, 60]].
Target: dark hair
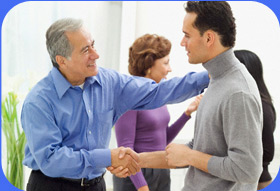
[[214, 15], [254, 66], [145, 51]]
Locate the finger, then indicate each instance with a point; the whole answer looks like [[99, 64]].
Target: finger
[[123, 174], [136, 166], [132, 169], [168, 146], [167, 151], [133, 154], [122, 153], [110, 168], [131, 164], [117, 170]]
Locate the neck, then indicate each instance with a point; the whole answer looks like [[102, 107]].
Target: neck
[[217, 50], [221, 63], [71, 79]]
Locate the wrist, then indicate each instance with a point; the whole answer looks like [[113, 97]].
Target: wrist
[[190, 157], [143, 188], [114, 156], [142, 160], [188, 113]]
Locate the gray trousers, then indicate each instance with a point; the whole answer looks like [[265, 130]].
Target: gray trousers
[[157, 180]]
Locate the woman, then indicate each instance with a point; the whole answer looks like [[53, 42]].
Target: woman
[[254, 66], [148, 130]]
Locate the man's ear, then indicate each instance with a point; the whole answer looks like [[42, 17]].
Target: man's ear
[[210, 37], [60, 60]]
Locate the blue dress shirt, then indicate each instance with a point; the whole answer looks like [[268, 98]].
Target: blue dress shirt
[[68, 129]]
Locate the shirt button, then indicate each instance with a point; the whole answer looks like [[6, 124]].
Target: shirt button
[[89, 132], [89, 111]]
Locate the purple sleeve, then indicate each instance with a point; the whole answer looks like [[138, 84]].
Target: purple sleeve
[[125, 129], [138, 180], [175, 128], [125, 133]]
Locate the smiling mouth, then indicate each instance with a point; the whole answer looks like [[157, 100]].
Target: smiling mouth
[[92, 65]]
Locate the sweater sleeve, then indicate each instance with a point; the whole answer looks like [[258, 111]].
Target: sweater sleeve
[[175, 128], [125, 134], [242, 127]]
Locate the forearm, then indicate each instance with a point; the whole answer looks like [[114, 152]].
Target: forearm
[[199, 160], [150, 95], [154, 160], [82, 162]]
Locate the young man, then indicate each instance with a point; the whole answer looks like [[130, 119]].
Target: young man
[[67, 117], [226, 152]]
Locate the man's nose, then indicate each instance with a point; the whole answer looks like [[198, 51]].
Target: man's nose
[[93, 53]]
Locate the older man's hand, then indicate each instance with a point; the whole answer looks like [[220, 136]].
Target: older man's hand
[[119, 171], [124, 162]]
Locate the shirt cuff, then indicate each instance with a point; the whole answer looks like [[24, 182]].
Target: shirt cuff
[[101, 158], [202, 80]]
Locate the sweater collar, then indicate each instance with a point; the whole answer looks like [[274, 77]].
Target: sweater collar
[[221, 63]]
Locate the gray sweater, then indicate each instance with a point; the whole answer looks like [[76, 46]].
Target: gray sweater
[[229, 127]]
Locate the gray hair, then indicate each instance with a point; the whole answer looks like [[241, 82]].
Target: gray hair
[[56, 39]]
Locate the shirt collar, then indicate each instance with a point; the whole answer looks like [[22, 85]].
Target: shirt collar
[[92, 79], [62, 84], [221, 63]]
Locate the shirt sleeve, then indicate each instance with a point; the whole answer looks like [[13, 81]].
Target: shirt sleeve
[[125, 133], [242, 127], [176, 127], [52, 157], [141, 93]]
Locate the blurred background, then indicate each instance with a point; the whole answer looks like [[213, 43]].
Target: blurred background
[[114, 26]]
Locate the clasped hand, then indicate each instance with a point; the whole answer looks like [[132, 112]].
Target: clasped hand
[[177, 155], [125, 162]]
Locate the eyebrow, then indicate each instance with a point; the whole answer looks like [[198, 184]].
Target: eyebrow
[[84, 48], [186, 33]]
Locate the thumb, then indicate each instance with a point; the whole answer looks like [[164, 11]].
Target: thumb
[[122, 153]]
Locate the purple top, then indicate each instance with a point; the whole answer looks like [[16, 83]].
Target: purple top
[[147, 131]]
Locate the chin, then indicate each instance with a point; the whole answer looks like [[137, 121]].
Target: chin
[[95, 72], [194, 62]]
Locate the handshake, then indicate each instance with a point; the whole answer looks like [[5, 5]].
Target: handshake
[[125, 162]]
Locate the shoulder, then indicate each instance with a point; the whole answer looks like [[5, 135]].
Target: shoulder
[[111, 76], [243, 100], [41, 91]]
